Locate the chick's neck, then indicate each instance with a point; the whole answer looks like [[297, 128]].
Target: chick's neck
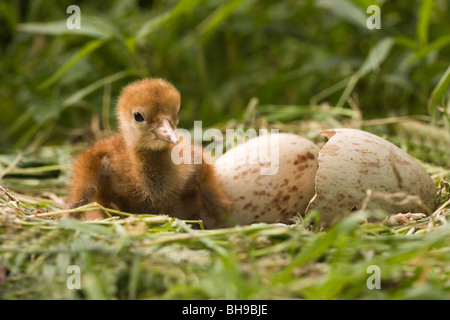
[[154, 168]]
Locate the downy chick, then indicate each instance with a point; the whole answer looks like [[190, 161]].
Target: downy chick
[[132, 171]]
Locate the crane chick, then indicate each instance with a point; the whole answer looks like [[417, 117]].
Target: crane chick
[[133, 171]]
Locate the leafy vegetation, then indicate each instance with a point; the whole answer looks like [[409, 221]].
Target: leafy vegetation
[[299, 66]]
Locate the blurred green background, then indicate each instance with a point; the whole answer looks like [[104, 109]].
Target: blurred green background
[[60, 85], [300, 66]]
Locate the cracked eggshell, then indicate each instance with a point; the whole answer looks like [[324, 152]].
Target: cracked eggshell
[[353, 161], [269, 178]]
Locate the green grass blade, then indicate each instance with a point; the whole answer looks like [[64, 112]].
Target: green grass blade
[[80, 94], [56, 28], [213, 21], [345, 10], [373, 61], [52, 113], [376, 57], [438, 44], [161, 20], [407, 43], [424, 21], [84, 51], [439, 91]]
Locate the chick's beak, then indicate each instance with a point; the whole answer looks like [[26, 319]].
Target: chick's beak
[[165, 132]]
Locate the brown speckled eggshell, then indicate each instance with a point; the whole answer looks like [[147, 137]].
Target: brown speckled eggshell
[[268, 198], [353, 161]]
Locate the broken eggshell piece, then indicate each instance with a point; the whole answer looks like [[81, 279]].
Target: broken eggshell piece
[[354, 161], [269, 178]]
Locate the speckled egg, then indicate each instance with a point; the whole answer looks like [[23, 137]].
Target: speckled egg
[[354, 161], [269, 178]]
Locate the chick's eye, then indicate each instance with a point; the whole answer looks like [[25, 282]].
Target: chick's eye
[[138, 117]]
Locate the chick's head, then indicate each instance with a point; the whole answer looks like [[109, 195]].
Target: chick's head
[[148, 111]]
